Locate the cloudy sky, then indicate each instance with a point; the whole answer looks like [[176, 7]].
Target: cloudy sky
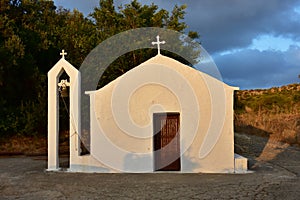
[[254, 43]]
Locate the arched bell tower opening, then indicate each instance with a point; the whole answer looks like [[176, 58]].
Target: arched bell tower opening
[[63, 80], [64, 118]]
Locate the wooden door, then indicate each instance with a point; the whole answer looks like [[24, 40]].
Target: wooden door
[[166, 141]]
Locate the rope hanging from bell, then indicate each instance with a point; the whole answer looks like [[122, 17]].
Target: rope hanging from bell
[[62, 88]]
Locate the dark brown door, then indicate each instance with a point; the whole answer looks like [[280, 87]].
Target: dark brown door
[[166, 141]]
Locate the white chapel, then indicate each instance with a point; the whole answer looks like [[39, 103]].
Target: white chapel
[[160, 116]]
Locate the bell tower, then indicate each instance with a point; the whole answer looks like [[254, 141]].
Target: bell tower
[[53, 110]]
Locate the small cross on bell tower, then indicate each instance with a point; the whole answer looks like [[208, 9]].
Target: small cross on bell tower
[[158, 43], [63, 53]]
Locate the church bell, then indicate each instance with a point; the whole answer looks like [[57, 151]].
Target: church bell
[[63, 88], [64, 92]]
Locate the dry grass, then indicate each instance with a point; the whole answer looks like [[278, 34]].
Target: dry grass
[[30, 145], [280, 127], [272, 113], [23, 145]]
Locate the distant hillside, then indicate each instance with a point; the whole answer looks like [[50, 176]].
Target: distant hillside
[[273, 112]]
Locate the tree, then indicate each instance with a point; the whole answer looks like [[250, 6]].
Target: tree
[[110, 21], [77, 35], [24, 38], [33, 32]]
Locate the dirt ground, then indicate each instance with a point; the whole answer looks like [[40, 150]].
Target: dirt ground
[[275, 166]]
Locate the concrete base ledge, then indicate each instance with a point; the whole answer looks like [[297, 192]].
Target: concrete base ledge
[[240, 164]]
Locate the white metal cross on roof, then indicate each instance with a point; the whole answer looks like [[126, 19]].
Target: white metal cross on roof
[[158, 43]]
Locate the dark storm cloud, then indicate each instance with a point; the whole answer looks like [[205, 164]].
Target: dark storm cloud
[[228, 24], [255, 69], [225, 25]]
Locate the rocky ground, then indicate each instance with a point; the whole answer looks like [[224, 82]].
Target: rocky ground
[[275, 166]]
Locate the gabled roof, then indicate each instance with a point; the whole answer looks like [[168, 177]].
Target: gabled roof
[[160, 59], [174, 65]]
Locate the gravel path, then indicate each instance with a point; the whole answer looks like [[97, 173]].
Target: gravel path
[[276, 176]]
